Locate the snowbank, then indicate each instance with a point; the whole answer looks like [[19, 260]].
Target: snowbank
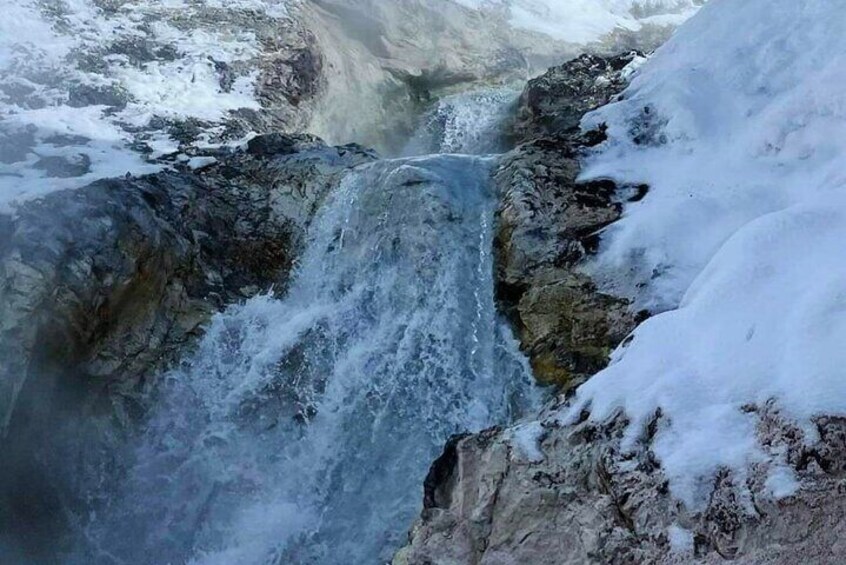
[[738, 125]]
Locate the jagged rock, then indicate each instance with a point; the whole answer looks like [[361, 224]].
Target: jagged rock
[[109, 277], [575, 497], [102, 286], [548, 222], [589, 500], [553, 104]]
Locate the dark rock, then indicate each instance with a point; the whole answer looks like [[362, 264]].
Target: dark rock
[[64, 167], [554, 103], [139, 50], [280, 144], [81, 95], [65, 140], [548, 222], [103, 286], [441, 474]]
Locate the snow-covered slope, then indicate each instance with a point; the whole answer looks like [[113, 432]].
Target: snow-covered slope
[[92, 89], [584, 21], [738, 125]]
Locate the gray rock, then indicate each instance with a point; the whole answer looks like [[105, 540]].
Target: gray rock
[[553, 104], [587, 500]]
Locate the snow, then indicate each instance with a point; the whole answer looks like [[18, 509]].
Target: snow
[[681, 541], [39, 47], [526, 438], [738, 246], [585, 21], [782, 482]]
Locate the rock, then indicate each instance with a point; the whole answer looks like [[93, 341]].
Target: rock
[[548, 222], [82, 95], [102, 287], [589, 500], [553, 104], [110, 277], [64, 167]]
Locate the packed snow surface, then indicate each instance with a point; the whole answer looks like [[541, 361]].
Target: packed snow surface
[[738, 125]]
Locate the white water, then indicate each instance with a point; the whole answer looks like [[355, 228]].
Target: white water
[[469, 122], [302, 430]]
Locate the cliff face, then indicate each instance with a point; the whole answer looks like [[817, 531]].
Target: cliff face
[[549, 222], [550, 493]]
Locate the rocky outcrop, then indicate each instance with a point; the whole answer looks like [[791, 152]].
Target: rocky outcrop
[[549, 221], [562, 494], [102, 286], [508, 496], [111, 277]]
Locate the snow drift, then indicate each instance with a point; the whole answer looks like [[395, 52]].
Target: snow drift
[[738, 125]]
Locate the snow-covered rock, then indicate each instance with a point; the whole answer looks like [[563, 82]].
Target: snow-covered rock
[[741, 138]]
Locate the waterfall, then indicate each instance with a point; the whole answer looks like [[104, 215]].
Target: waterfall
[[468, 122], [302, 429]]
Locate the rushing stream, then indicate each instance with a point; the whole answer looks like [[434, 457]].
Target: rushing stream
[[303, 428]]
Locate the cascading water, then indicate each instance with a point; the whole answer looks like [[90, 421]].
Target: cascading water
[[303, 428], [469, 122]]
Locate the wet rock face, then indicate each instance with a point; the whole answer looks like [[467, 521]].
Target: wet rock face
[[548, 222], [114, 275], [102, 286]]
